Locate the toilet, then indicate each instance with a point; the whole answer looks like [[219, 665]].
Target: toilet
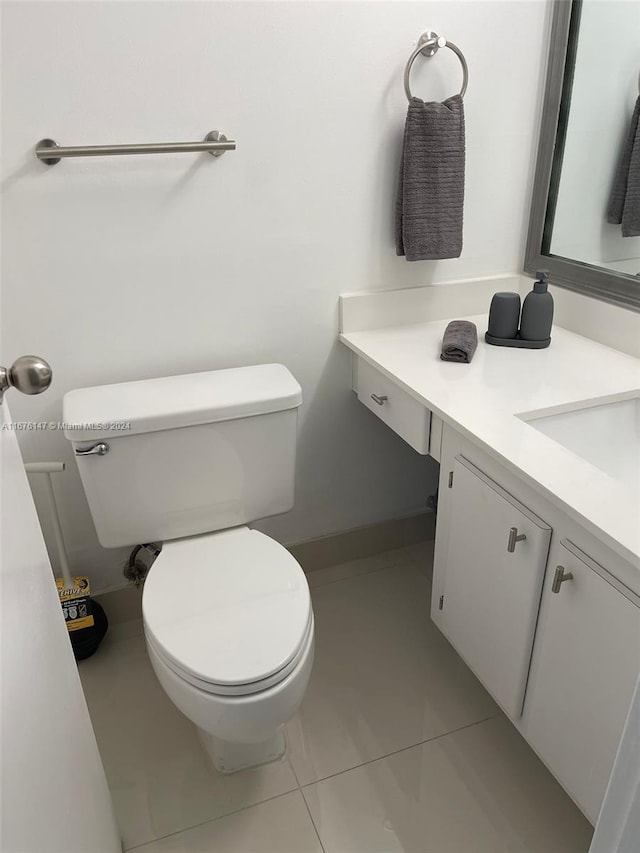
[[190, 461]]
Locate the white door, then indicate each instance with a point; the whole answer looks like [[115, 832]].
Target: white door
[[493, 582], [584, 669], [54, 794]]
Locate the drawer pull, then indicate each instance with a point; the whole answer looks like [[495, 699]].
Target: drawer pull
[[379, 400], [513, 538], [559, 578]]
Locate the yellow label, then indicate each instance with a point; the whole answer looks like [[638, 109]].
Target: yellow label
[[76, 624], [76, 604], [80, 588]]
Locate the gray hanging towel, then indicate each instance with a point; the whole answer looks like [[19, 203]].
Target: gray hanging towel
[[430, 199], [624, 204]]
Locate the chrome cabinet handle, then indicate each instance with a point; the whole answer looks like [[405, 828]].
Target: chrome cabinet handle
[[95, 450], [513, 538], [29, 374], [379, 400], [559, 578]]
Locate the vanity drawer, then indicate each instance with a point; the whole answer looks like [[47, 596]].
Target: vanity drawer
[[406, 416]]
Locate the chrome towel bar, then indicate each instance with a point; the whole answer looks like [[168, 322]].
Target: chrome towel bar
[[49, 152], [428, 45]]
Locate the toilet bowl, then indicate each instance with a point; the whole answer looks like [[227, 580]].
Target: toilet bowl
[[229, 631], [190, 461]]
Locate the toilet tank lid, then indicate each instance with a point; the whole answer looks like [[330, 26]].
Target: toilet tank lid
[[150, 405]]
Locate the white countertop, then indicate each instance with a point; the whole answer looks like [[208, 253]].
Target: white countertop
[[482, 400]]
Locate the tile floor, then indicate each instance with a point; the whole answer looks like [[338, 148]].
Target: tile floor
[[397, 747]]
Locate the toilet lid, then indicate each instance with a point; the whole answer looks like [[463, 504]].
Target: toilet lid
[[229, 608]]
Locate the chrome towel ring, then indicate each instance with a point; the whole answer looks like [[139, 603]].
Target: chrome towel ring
[[428, 45]]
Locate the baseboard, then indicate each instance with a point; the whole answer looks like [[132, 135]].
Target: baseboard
[[364, 541], [124, 604]]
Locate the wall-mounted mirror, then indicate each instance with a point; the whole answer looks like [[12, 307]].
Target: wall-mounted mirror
[[585, 217]]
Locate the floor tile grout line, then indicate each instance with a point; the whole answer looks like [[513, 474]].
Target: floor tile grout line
[[301, 787], [403, 564], [211, 820], [294, 771], [304, 800], [406, 558], [396, 560], [397, 751]]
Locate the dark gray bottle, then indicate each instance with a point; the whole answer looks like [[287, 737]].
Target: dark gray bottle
[[537, 311]]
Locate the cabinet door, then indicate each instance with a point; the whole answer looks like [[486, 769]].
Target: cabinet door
[[493, 586], [584, 668]]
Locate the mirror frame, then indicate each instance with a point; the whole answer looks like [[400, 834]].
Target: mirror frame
[[581, 277]]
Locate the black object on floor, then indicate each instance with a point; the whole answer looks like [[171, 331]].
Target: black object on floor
[[85, 641]]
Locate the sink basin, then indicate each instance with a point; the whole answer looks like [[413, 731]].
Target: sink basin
[[606, 434]]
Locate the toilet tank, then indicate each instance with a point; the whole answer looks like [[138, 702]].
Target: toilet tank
[[185, 455]]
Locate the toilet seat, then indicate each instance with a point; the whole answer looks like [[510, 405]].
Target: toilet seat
[[228, 612], [237, 689]]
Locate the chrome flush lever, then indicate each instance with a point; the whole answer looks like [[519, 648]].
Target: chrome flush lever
[[95, 450], [379, 400], [513, 538]]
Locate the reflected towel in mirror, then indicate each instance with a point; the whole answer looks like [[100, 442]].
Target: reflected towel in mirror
[[624, 205]]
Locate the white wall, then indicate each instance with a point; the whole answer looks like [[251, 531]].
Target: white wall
[[604, 92], [124, 268]]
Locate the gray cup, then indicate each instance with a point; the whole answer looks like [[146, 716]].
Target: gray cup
[[504, 315]]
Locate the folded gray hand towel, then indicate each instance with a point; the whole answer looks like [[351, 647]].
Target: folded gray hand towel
[[624, 205], [430, 199], [460, 341]]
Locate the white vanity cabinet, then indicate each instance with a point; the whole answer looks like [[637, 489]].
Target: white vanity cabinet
[[550, 623], [563, 664], [398, 410], [497, 554], [584, 669]]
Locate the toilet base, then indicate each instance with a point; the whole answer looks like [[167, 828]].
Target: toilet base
[[231, 757]]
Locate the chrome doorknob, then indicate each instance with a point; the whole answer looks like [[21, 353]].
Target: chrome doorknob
[[29, 374]]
